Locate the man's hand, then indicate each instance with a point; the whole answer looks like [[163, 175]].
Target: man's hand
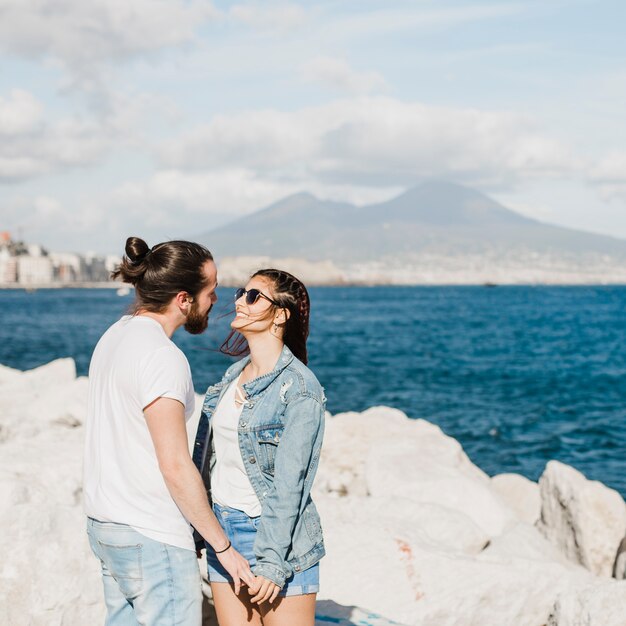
[[263, 590], [237, 567]]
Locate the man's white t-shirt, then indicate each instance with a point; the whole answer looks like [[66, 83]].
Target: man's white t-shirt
[[134, 363]]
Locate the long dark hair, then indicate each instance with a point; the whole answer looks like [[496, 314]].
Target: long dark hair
[[291, 294], [160, 272]]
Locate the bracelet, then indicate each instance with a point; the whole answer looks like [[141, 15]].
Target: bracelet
[[224, 550]]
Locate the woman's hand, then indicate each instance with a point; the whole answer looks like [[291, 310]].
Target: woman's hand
[[237, 567], [264, 589]]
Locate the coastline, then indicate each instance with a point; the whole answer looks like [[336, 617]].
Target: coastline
[[446, 543]]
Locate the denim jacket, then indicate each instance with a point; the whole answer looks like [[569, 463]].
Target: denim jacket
[[280, 437]]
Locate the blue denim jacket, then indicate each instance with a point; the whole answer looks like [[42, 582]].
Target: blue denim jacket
[[280, 437]]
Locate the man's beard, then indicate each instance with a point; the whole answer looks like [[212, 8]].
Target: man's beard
[[196, 322]]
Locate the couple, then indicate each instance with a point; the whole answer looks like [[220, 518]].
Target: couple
[[246, 491]]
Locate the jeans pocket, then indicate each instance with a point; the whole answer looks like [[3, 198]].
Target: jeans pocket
[[124, 564]]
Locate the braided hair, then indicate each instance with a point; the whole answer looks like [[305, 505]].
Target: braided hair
[[291, 294]]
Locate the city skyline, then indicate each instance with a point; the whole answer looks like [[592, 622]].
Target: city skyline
[[164, 119]]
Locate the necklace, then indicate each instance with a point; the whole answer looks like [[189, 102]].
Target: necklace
[[240, 398]]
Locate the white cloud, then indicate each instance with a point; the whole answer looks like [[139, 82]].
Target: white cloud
[[611, 169], [20, 112], [338, 75], [86, 34], [47, 207], [228, 192], [281, 17], [412, 16], [369, 141], [609, 175], [31, 145]]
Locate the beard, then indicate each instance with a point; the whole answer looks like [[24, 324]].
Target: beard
[[196, 322]]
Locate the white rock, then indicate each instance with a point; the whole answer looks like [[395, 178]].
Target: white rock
[[32, 400], [619, 570], [48, 575], [428, 585], [439, 527], [412, 551], [520, 494], [524, 541], [598, 605], [422, 471], [55, 373], [8, 375], [584, 518], [350, 438]]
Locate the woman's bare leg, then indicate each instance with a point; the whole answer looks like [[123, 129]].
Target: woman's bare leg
[[232, 609], [290, 611]]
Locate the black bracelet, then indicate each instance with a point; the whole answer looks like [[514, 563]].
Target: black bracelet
[[224, 550]]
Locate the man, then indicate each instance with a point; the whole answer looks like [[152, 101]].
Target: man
[[141, 488]]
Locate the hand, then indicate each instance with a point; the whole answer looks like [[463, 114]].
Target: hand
[[237, 567], [263, 589]]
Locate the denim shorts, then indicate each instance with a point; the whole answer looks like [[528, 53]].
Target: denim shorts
[[145, 581], [241, 530]]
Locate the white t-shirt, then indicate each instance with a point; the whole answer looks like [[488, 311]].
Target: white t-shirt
[[133, 364], [230, 485]]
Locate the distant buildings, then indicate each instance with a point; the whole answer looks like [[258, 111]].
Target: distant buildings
[[32, 265]]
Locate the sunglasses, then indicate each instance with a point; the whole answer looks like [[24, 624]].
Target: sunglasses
[[252, 295]]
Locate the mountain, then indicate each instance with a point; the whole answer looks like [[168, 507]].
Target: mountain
[[435, 219]]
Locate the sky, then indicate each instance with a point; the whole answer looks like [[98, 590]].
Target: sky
[[165, 119]]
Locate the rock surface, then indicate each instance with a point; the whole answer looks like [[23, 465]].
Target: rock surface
[[585, 519], [599, 605], [520, 494], [415, 533]]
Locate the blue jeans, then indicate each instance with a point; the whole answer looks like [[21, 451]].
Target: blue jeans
[[146, 583]]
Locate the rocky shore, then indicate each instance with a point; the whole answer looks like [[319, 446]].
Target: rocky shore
[[416, 534]]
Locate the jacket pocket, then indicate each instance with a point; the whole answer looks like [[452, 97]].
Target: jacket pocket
[[268, 440], [312, 523]]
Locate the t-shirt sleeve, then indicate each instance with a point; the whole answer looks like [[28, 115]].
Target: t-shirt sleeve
[[165, 373]]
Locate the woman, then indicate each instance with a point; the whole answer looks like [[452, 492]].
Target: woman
[[257, 447]]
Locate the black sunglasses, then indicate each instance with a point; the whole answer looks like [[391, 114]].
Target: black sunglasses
[[252, 295]]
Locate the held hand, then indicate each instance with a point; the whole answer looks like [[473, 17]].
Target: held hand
[[263, 590], [237, 567]]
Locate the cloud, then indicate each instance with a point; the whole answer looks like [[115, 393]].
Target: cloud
[[222, 194], [166, 205], [412, 16], [277, 17], [31, 145], [87, 34], [374, 141], [338, 75], [609, 176], [20, 112]]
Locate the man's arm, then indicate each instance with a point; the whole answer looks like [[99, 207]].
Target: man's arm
[[166, 422]]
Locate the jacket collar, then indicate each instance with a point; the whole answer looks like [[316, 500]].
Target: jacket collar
[[261, 383]]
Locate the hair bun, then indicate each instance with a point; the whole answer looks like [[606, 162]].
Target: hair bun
[[136, 250]]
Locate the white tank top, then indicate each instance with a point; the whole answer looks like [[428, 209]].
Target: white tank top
[[230, 485]]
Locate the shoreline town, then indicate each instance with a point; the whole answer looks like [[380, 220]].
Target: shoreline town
[[31, 267]]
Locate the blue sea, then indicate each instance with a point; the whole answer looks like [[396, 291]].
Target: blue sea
[[519, 375]]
